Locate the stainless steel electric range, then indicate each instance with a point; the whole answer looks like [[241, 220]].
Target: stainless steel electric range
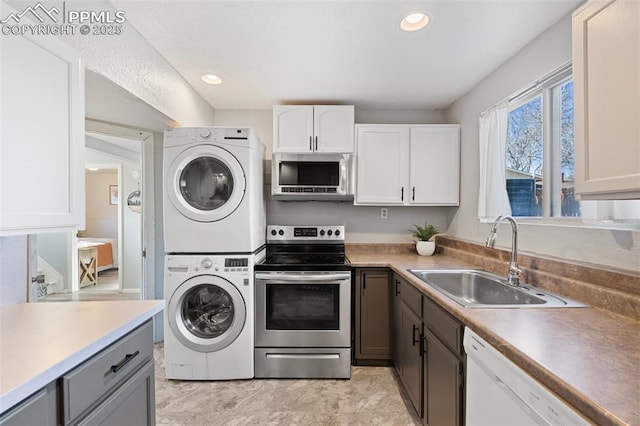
[[303, 304]]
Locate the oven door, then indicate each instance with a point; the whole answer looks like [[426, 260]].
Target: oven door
[[303, 309]]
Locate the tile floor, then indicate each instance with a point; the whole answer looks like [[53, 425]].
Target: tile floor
[[371, 397]]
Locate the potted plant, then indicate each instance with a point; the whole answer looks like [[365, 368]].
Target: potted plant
[[424, 234]]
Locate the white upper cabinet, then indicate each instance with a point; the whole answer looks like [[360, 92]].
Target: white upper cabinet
[[410, 165], [313, 128], [382, 165], [435, 165], [606, 71], [42, 135]]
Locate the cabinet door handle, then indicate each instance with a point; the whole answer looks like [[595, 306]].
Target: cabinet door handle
[[423, 346], [310, 143], [397, 287], [316, 143], [402, 194], [414, 340], [413, 193], [125, 361]]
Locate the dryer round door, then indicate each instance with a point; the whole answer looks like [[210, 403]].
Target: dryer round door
[[206, 183], [206, 313]]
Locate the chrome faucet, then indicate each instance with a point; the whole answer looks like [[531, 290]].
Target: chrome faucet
[[513, 278]]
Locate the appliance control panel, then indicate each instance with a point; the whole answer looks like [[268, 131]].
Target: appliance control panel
[[305, 233], [208, 264]]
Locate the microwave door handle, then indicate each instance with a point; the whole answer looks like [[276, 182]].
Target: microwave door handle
[[298, 278]]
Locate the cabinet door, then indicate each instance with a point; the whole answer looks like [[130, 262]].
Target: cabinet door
[[133, 403], [41, 136], [382, 160], [293, 128], [443, 389], [373, 337], [411, 356], [606, 70], [396, 321], [38, 409], [435, 165], [334, 128]]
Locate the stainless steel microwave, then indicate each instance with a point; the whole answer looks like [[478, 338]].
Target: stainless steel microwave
[[312, 176]]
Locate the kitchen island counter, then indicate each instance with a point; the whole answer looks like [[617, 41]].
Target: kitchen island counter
[[588, 356], [39, 342]]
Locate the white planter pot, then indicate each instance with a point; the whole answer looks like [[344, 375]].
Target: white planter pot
[[425, 248]]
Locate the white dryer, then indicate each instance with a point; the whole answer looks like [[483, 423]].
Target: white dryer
[[213, 190], [209, 316]]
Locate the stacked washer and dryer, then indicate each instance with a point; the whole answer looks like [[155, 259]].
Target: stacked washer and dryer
[[214, 233]]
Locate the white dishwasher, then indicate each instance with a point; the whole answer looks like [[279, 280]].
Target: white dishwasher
[[500, 393]]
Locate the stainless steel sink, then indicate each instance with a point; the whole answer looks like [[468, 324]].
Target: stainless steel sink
[[479, 289]]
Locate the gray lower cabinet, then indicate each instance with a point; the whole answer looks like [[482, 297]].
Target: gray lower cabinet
[[115, 386], [428, 354], [396, 322], [443, 400], [372, 327], [408, 349], [39, 409]]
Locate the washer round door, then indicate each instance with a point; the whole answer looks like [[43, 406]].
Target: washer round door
[[206, 183], [206, 313]]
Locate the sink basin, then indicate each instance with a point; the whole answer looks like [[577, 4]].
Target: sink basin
[[479, 289]]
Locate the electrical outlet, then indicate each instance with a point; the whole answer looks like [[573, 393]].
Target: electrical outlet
[[384, 213]]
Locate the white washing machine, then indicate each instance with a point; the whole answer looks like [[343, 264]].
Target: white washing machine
[[213, 190], [209, 316]]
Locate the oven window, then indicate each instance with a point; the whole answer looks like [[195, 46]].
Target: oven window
[[303, 306], [310, 173]]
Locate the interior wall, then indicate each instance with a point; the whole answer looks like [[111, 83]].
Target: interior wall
[[53, 249], [13, 270], [614, 248], [363, 223], [101, 215]]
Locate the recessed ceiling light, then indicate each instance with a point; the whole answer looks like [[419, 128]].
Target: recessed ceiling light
[[211, 79], [414, 21]]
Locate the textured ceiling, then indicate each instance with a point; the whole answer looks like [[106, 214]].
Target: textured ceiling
[[272, 52]]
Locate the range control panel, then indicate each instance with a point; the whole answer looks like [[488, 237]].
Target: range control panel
[[305, 233]]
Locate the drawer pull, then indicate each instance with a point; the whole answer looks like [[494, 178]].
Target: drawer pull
[[127, 358]]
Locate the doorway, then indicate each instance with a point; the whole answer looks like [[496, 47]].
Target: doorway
[[116, 219]]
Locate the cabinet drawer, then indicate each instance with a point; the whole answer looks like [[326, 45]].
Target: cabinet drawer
[[411, 297], [84, 385], [443, 325]]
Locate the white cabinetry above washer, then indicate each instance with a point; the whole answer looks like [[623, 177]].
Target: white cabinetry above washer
[[410, 165], [313, 128]]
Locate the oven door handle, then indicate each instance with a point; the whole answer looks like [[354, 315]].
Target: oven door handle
[[301, 277]]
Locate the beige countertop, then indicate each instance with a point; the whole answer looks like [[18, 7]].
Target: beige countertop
[[39, 342], [590, 357]]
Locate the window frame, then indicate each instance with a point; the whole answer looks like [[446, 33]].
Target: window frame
[[548, 89], [551, 103]]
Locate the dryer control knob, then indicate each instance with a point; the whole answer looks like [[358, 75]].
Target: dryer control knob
[[207, 264], [205, 133]]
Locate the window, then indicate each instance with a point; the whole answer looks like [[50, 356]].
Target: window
[[540, 165]]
